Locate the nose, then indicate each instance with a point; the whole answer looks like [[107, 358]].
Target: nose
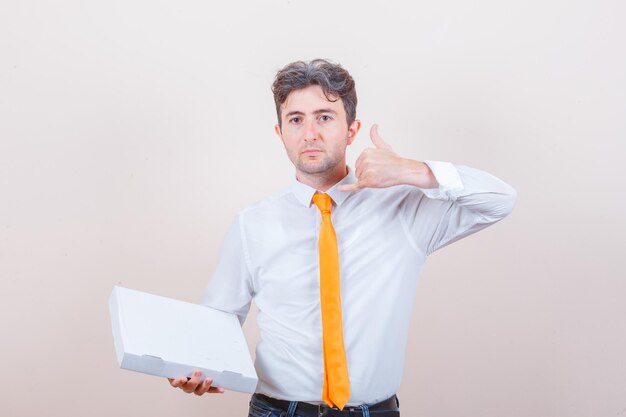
[[311, 132]]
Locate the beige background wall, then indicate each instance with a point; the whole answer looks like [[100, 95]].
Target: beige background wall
[[132, 131]]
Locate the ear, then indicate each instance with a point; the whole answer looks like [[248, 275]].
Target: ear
[[279, 133], [353, 129]]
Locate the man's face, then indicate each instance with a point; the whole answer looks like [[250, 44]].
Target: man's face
[[315, 131]]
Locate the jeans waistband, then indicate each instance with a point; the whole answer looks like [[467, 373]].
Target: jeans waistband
[[305, 409]]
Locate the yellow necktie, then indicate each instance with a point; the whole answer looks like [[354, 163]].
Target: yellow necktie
[[336, 382]]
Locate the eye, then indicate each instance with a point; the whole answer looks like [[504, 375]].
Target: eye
[[294, 120], [325, 118]]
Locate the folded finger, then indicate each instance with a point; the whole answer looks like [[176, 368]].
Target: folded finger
[[192, 384], [177, 382], [203, 387]]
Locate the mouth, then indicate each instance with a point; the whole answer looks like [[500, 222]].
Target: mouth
[[311, 151]]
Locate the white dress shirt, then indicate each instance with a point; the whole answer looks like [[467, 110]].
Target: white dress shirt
[[270, 253]]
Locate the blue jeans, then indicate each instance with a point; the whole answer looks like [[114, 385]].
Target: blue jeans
[[261, 408]]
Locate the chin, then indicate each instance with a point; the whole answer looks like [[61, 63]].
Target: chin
[[317, 168]]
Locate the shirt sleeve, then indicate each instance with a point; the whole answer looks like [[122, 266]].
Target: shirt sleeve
[[466, 201], [230, 286]]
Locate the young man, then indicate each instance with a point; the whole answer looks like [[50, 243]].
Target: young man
[[333, 261]]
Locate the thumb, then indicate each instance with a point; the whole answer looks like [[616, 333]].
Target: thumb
[[377, 140]]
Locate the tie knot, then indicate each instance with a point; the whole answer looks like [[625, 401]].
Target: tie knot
[[323, 202]]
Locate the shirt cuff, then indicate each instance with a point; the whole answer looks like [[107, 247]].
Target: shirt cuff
[[450, 184]]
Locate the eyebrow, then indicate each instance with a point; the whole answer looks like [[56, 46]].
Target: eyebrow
[[298, 112]]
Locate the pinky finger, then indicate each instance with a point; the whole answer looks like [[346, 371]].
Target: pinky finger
[[350, 187]]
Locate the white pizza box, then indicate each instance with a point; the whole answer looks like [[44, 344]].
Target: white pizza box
[[171, 338]]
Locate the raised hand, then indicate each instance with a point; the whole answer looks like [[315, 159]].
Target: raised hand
[[381, 167]]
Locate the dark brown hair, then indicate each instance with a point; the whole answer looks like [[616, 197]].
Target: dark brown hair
[[331, 77]]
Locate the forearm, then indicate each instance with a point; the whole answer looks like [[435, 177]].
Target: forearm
[[467, 200], [474, 190]]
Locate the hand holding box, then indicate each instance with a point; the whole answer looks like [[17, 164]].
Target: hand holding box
[[171, 338]]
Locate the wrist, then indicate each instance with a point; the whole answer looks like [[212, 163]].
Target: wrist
[[420, 175]]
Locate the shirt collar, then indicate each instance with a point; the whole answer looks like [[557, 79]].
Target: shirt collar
[[304, 193]]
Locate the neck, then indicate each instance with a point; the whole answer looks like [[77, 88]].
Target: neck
[[324, 180]]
